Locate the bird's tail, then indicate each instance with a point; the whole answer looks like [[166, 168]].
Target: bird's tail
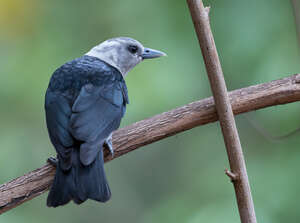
[[80, 182]]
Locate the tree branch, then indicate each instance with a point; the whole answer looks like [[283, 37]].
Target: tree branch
[[150, 130], [238, 173]]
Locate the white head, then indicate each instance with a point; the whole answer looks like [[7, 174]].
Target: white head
[[123, 53]]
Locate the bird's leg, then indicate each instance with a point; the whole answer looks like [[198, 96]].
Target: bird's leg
[[108, 143], [53, 161]]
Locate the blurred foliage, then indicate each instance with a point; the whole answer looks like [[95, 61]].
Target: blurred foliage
[[179, 179]]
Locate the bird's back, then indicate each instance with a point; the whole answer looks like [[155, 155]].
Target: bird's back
[[70, 77]]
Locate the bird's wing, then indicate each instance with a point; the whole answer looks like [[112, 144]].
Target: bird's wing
[[97, 112], [58, 113]]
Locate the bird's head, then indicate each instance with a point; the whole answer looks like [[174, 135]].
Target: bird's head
[[123, 53]]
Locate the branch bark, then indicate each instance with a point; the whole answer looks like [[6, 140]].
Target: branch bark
[[238, 173], [150, 130]]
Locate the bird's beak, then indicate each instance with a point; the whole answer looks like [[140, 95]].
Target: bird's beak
[[151, 53]]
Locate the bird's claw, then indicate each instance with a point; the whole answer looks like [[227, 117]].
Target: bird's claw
[[53, 161], [108, 143]]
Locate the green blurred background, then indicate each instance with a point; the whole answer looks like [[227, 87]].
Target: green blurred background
[[181, 178]]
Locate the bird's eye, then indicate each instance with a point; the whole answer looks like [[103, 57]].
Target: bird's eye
[[132, 49]]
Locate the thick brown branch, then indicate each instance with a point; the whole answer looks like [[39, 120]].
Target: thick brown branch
[[158, 127], [238, 173]]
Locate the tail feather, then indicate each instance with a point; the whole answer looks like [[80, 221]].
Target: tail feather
[[92, 183], [80, 182], [62, 188]]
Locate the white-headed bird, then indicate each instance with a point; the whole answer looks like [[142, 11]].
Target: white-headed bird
[[85, 102]]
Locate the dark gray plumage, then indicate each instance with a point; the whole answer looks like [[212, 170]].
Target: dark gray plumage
[[85, 102]]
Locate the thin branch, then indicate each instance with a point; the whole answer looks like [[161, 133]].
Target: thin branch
[[296, 11], [238, 172], [153, 129], [233, 177], [265, 133]]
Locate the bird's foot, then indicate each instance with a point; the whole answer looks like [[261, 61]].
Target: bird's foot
[[53, 161], [108, 143]]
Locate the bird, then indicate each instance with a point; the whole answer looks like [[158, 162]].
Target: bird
[[84, 103]]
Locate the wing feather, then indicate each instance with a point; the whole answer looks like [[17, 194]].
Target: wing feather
[[58, 112], [97, 112]]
